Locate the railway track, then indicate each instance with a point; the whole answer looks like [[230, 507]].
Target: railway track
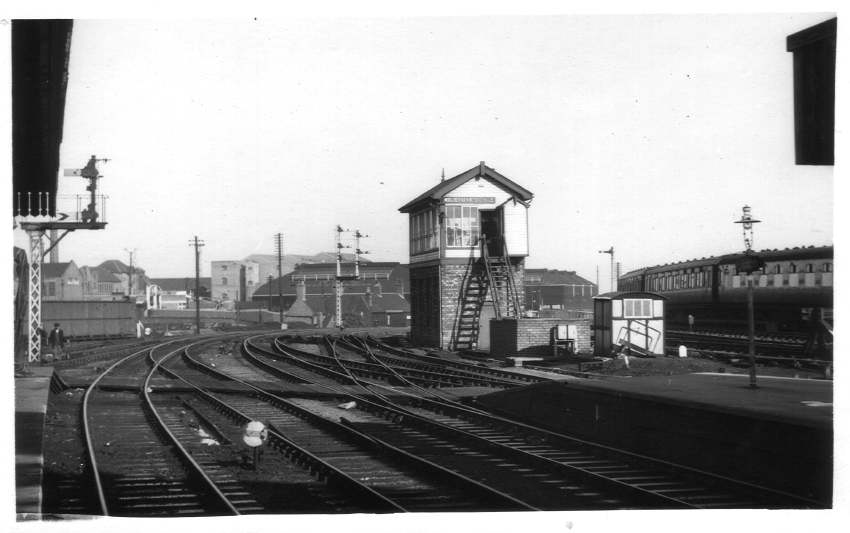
[[733, 346], [567, 473], [362, 429], [395, 480], [137, 463]]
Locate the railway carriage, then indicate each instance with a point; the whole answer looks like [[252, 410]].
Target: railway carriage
[[793, 282]]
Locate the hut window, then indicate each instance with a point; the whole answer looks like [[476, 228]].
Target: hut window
[[637, 308]]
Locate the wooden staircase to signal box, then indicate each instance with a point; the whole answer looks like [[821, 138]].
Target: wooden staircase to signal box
[[486, 273]]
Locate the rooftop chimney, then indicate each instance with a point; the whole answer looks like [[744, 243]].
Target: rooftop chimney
[[301, 291]]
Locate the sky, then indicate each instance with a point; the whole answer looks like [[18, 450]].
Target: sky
[[647, 133]]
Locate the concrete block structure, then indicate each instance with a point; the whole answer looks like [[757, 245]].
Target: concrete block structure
[[234, 280], [468, 244]]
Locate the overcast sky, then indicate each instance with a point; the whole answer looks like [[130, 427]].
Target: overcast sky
[[644, 132]]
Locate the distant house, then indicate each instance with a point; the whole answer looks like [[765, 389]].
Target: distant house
[[100, 284], [557, 290], [133, 280], [61, 281]]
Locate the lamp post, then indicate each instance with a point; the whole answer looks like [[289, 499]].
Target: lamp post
[[609, 251], [748, 264]]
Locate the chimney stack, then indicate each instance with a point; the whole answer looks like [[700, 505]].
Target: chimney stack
[[301, 291]]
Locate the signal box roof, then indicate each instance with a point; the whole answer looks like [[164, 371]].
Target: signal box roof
[[436, 193]]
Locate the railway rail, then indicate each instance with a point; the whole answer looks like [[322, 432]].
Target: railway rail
[[154, 475], [603, 476], [358, 426], [777, 349]]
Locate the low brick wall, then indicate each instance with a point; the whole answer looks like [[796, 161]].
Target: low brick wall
[[532, 336]]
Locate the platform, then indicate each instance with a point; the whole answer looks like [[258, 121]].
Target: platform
[[31, 394], [779, 434]]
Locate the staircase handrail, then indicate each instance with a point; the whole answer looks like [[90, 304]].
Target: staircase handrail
[[511, 281], [485, 256]]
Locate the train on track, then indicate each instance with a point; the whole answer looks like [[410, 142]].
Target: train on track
[[793, 284]]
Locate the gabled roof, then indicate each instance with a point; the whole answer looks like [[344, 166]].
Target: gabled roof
[[387, 303], [54, 270], [438, 191], [105, 276], [553, 277]]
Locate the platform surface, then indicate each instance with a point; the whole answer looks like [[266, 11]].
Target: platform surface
[[796, 401], [31, 394]]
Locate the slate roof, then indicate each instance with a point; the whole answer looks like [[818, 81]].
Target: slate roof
[[383, 303], [553, 277], [54, 270], [117, 267], [438, 191], [319, 279], [104, 276]]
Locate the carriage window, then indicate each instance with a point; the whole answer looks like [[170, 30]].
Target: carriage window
[[635, 308]]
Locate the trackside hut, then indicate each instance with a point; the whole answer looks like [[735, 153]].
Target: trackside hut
[[446, 271], [633, 320]]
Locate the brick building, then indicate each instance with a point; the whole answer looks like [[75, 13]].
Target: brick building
[[101, 284], [468, 244], [234, 280], [307, 294], [61, 281], [133, 279], [549, 291]]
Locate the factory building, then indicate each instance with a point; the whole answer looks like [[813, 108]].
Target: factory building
[[234, 280], [552, 292], [468, 244]]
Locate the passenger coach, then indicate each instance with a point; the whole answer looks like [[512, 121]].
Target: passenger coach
[[793, 282]]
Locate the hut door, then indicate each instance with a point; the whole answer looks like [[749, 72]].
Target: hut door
[[491, 226]]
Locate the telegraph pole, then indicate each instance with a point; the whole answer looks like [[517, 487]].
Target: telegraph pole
[[198, 244], [279, 249], [130, 281]]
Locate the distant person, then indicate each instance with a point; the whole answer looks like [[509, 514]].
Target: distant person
[[691, 322], [56, 341]]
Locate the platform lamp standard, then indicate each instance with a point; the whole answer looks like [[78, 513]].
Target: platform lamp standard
[[609, 251], [748, 264]]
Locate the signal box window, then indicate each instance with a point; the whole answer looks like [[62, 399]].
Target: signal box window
[[634, 308], [461, 226]]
